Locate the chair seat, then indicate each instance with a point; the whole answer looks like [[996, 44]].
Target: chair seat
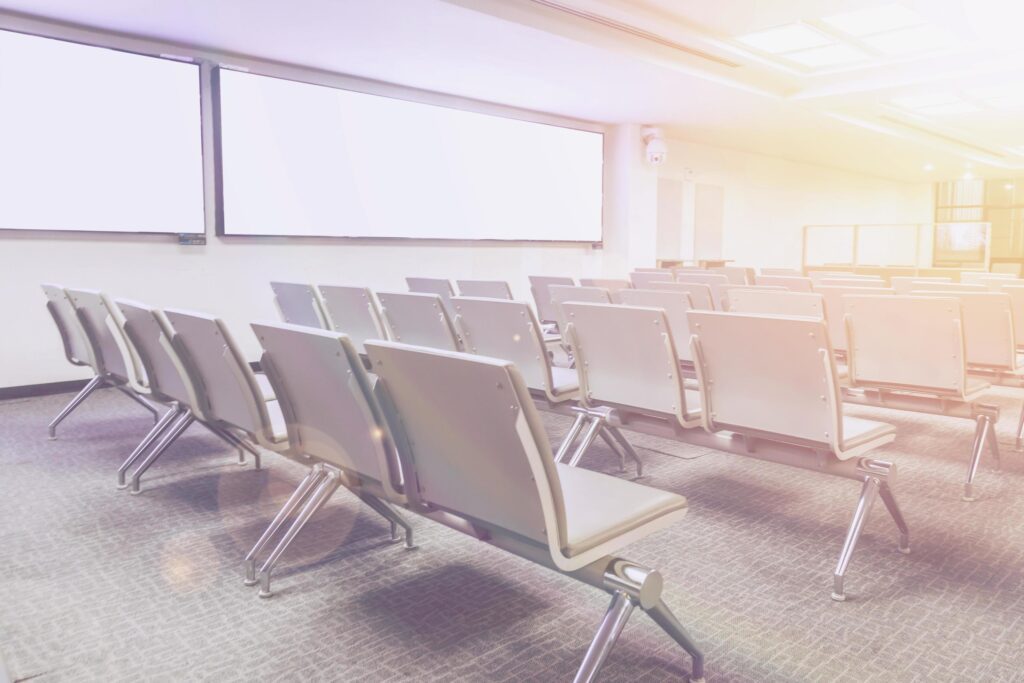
[[277, 423], [565, 380], [600, 508], [858, 431], [264, 385]]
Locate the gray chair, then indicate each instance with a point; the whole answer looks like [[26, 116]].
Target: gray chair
[[835, 310], [333, 422], [561, 293], [539, 287], [611, 284], [676, 305], [701, 296], [353, 311], [791, 282], [482, 456], [644, 279], [77, 347], [171, 385], [433, 285], [420, 319], [777, 302], [487, 289], [298, 304]]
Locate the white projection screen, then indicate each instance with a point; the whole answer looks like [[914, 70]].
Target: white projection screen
[[94, 139], [308, 160]]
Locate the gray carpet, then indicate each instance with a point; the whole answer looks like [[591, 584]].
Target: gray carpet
[[99, 585]]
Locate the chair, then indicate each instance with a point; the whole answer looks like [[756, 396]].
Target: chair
[[946, 287], [299, 304], [980, 277], [611, 285], [1016, 294], [676, 305], [818, 275], [784, 303], [488, 289], [539, 284], [334, 424], [995, 283], [482, 455], [432, 285], [737, 275], [910, 352], [904, 284], [864, 282], [781, 271], [170, 384], [560, 294], [644, 279], [510, 330], [419, 319], [354, 312], [100, 345], [833, 298], [727, 291], [787, 395], [792, 283], [700, 295]]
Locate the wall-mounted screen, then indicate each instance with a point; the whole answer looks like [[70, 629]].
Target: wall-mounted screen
[[308, 160], [97, 140]]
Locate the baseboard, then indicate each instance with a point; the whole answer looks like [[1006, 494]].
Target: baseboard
[[31, 390]]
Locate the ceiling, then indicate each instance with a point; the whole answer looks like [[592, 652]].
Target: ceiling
[[936, 114]]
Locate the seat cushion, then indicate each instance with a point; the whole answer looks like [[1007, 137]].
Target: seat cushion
[[565, 380], [858, 431], [600, 507]]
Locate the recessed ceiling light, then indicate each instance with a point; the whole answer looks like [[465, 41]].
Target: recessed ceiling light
[[830, 55], [910, 41], [968, 176], [927, 100], [875, 20], [785, 39], [1008, 186], [951, 109], [929, 167]]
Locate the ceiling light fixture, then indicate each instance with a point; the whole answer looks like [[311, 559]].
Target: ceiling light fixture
[[872, 20], [911, 41], [830, 55], [929, 168], [785, 39]]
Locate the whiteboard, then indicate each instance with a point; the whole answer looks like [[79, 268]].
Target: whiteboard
[[95, 139], [308, 160]]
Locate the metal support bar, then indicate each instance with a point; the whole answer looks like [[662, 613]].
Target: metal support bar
[[588, 438], [608, 632], [302, 491], [867, 498], [141, 401], [392, 516], [570, 437], [161, 425], [172, 433], [626, 447], [614, 446], [983, 432], [94, 384]]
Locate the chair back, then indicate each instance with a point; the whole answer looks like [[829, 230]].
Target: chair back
[[327, 400], [418, 319], [771, 302], [701, 296], [626, 357], [353, 311], [790, 282], [914, 342], [786, 390], [487, 289], [77, 348], [165, 372], [475, 443], [560, 294], [835, 309], [612, 285], [111, 353], [905, 284], [539, 284], [675, 304], [433, 285], [298, 304]]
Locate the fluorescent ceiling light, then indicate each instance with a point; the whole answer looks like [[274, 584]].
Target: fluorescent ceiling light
[[927, 100], [1014, 101], [830, 55], [785, 39], [951, 109], [911, 41], [875, 20]]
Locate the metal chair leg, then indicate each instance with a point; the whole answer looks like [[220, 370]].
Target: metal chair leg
[[392, 515], [980, 434], [234, 441], [141, 401], [889, 500], [171, 435], [627, 448], [302, 491], [94, 384], [588, 439], [316, 501], [993, 444], [867, 499], [612, 444], [570, 437], [608, 632], [664, 618], [156, 431]]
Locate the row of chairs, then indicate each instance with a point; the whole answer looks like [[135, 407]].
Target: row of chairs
[[477, 461], [623, 379]]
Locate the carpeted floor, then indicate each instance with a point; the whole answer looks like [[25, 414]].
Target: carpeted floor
[[96, 584]]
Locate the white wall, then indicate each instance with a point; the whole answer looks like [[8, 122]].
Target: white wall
[[768, 200], [230, 277]]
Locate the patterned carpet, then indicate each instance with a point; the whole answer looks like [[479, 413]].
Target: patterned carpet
[[100, 585]]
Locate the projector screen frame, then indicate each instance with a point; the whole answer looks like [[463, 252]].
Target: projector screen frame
[[34, 28], [396, 92]]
